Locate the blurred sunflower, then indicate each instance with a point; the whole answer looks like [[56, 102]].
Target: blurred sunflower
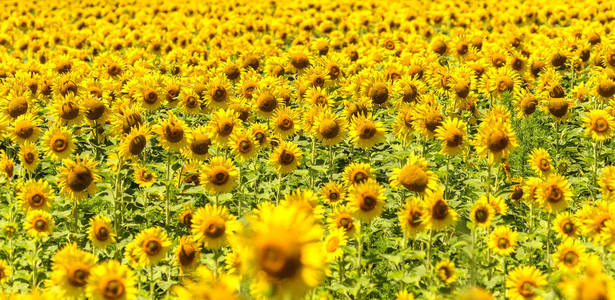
[[524, 282], [569, 256], [5, 271], [332, 246], [411, 217], [71, 269], [187, 255], [24, 129], [446, 271], [415, 176], [606, 181], [198, 148], [111, 280], [133, 144]]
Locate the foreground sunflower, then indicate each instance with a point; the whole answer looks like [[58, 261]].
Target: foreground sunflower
[[213, 226], [78, 178], [203, 284], [283, 252], [219, 175], [524, 282], [111, 281], [71, 268], [599, 125]]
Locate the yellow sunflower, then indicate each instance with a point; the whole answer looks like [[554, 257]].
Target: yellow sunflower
[[495, 140], [343, 217], [570, 256], [283, 121], [100, 232], [173, 133], [411, 217], [133, 144], [566, 225], [24, 129], [524, 282], [219, 175], [78, 178], [333, 193], [198, 148], [5, 271], [71, 268], [58, 143], [599, 125], [29, 157], [36, 194], [368, 199], [439, 214], [111, 280], [356, 173], [329, 128], [243, 145], [38, 224], [143, 176], [415, 176], [222, 124], [213, 226], [286, 157], [606, 181], [152, 246], [502, 241], [187, 255], [554, 193], [482, 213], [67, 110], [332, 246], [540, 161], [453, 134], [365, 132], [446, 271]]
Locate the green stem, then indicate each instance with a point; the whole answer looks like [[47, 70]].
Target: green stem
[[35, 266], [428, 262], [277, 194], [151, 282], [168, 197], [448, 167], [118, 194], [331, 167], [313, 162]]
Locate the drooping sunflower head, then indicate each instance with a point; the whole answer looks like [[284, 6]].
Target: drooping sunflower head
[[415, 176], [5, 271], [133, 144], [100, 232], [95, 109], [558, 108], [411, 217], [525, 102], [222, 125], [36, 195], [427, 119], [219, 175], [67, 110], [78, 178], [187, 254]]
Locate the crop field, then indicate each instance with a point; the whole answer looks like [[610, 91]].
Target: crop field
[[308, 149]]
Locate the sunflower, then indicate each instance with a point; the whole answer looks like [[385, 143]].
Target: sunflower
[[343, 217], [365, 132], [58, 143], [5, 271], [133, 144], [540, 161], [283, 252], [286, 157], [496, 140], [453, 134], [198, 148], [498, 204], [377, 88], [499, 81], [24, 129], [36, 194], [356, 173], [332, 246], [403, 125], [7, 165], [558, 108], [219, 175], [599, 125], [411, 217], [187, 255], [71, 268], [222, 124], [333, 193], [329, 128], [260, 134], [566, 225], [95, 110], [213, 226], [555, 193], [143, 176], [67, 110], [219, 92], [319, 97], [482, 213], [530, 189], [29, 157], [149, 92], [111, 281], [415, 176], [283, 122], [502, 241], [404, 295], [523, 282], [525, 102], [100, 232], [243, 145], [570, 256], [203, 284], [152, 245], [173, 133], [410, 90], [189, 101], [446, 271], [78, 178], [427, 118], [38, 223], [439, 214], [368, 199], [606, 181], [15, 105]]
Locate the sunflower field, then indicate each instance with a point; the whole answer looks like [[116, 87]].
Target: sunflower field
[[307, 149]]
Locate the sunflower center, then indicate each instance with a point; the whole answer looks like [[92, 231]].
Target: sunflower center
[[59, 144], [69, 111], [504, 84], [299, 60], [333, 196], [152, 247], [80, 178], [24, 131], [334, 72], [260, 137], [359, 176], [333, 244], [37, 200], [415, 219], [191, 102], [150, 97], [220, 176], [410, 93], [219, 94], [568, 228], [279, 260], [232, 72], [557, 107], [131, 121], [432, 122], [29, 157], [554, 194], [40, 224], [172, 92], [267, 102], [503, 243], [557, 92], [329, 128], [215, 228], [345, 222], [77, 277], [286, 157], [367, 131], [379, 93], [445, 272], [414, 178], [187, 219], [600, 125], [526, 289], [187, 254], [440, 210], [439, 47], [544, 165], [570, 258], [286, 123], [454, 139], [498, 141], [173, 132], [462, 89], [200, 144], [102, 233], [244, 146], [368, 202], [94, 109], [137, 144], [481, 215], [114, 70], [17, 107], [113, 289], [389, 45], [606, 88]]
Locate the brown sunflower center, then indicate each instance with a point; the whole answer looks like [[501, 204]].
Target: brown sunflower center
[[150, 97], [69, 111], [130, 121], [368, 202], [432, 122], [544, 165], [200, 144], [440, 210], [329, 128], [40, 224], [345, 222], [454, 139], [137, 144], [568, 228], [570, 258], [113, 289], [215, 228], [24, 131], [529, 104], [152, 247], [600, 125], [94, 109], [80, 178], [410, 92], [37, 200], [359, 176], [285, 123], [367, 131], [219, 94], [606, 88], [280, 261], [379, 93], [59, 144], [498, 140], [526, 289], [299, 60], [557, 91], [504, 84], [114, 70], [481, 215], [267, 102], [333, 196], [413, 178], [232, 72], [78, 276], [187, 254], [29, 157], [503, 243], [244, 146], [286, 157], [558, 107], [220, 176], [554, 194], [102, 233], [462, 89], [173, 132], [415, 218], [334, 72]]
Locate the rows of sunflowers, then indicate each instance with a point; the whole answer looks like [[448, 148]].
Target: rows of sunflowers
[[307, 149]]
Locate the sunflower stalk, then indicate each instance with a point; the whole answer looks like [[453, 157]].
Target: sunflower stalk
[[277, 194], [118, 194], [151, 282], [331, 167], [168, 191], [35, 266], [428, 261]]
